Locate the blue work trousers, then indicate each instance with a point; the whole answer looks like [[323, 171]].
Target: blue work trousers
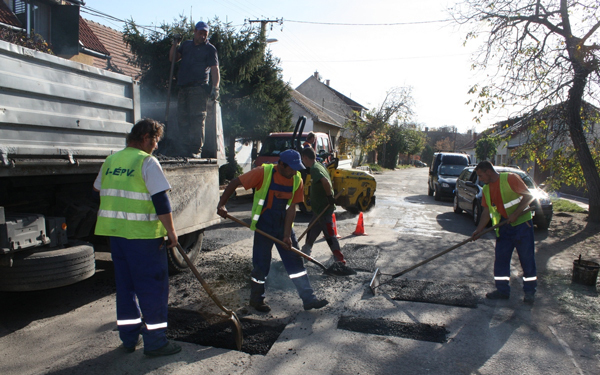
[[521, 238], [142, 279], [272, 222]]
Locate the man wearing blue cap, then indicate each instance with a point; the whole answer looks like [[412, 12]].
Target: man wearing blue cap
[[278, 189], [199, 62]]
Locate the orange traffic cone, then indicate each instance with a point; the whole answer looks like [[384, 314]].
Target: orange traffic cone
[[360, 226], [335, 232]]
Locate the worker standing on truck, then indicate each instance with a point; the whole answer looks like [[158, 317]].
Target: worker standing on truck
[[310, 141], [278, 190], [505, 198], [199, 62], [321, 195], [135, 212]]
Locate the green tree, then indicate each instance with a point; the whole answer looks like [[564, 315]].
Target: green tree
[[415, 142], [427, 154], [370, 132], [544, 51], [486, 147]]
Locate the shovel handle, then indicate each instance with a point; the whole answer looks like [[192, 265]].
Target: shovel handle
[[307, 257], [204, 283], [450, 249], [321, 214]]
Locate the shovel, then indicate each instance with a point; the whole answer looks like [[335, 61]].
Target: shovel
[[376, 279], [239, 337], [335, 269]]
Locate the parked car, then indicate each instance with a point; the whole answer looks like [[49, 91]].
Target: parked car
[[445, 168], [469, 193], [419, 164]]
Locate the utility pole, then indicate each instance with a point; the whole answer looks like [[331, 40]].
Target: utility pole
[[263, 25]]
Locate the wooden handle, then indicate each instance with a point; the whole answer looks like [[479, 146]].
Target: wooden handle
[[318, 217]]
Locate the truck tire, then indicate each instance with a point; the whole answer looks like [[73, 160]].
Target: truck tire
[[192, 244], [40, 270]]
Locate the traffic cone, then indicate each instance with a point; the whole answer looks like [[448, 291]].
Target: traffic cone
[[335, 227], [360, 226]]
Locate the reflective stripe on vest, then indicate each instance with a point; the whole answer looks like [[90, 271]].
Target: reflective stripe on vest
[[512, 200], [261, 194], [126, 208]]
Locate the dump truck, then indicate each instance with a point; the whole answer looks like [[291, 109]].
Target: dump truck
[[59, 120], [358, 185]]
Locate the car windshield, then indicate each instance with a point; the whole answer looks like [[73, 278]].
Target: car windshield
[[451, 170], [527, 180], [273, 146]]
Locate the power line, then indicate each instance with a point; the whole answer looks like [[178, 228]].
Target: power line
[[367, 24]]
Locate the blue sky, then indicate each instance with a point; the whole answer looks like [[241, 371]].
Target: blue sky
[[383, 44]]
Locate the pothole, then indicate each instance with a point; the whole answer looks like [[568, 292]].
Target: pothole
[[361, 257], [193, 327], [383, 327], [432, 292]]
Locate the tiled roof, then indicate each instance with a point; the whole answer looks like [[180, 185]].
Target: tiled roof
[[112, 40], [312, 108], [89, 39], [8, 17]]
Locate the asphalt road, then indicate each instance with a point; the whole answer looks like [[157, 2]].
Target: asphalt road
[[414, 325]]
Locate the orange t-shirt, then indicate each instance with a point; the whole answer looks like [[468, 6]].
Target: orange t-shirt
[[254, 179], [516, 184]]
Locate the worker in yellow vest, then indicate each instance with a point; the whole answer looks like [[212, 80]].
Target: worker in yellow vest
[[505, 197], [135, 212], [278, 189]]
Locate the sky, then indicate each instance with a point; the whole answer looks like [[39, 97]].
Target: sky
[[365, 48]]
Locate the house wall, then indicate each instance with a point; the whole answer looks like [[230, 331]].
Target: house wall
[[298, 111], [320, 94]]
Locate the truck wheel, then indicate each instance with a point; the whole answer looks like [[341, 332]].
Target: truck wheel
[[192, 244], [40, 270]]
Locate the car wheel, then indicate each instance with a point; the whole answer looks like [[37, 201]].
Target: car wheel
[[191, 244], [457, 209], [429, 191], [476, 213], [436, 194]]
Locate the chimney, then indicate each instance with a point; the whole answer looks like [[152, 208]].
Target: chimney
[[317, 76], [327, 82], [474, 136]]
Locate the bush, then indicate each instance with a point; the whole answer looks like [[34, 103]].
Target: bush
[[228, 172]]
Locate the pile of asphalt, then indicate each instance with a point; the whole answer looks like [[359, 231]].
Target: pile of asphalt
[[219, 331], [361, 257], [383, 327], [432, 292]]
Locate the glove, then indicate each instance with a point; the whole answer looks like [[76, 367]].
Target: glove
[[214, 93], [331, 200]]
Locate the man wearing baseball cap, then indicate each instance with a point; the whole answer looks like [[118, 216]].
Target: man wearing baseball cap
[[199, 63], [278, 189]]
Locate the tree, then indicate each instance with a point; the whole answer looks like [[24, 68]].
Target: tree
[[369, 132], [415, 141], [445, 144], [427, 154], [545, 53], [486, 147]]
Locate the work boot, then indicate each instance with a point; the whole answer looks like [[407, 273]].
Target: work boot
[[529, 298], [316, 304], [169, 349], [339, 257], [496, 294], [260, 306], [131, 349]]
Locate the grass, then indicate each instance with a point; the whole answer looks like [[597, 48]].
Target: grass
[[562, 205]]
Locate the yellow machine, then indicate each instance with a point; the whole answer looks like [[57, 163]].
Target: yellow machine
[[359, 188]]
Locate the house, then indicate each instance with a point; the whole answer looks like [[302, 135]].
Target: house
[[317, 119], [70, 36], [335, 105], [339, 107]]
